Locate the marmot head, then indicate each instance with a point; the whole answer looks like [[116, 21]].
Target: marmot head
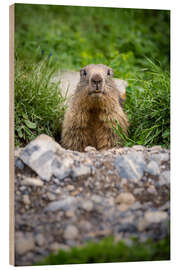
[[95, 76]]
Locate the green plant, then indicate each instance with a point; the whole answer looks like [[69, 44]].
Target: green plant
[[148, 107], [107, 251], [39, 105]]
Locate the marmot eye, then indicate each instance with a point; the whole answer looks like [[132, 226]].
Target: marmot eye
[[108, 72], [84, 72]]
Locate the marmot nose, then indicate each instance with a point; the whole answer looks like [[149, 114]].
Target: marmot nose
[[96, 81]]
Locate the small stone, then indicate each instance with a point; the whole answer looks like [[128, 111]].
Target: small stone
[[51, 196], [156, 148], [19, 164], [124, 182], [98, 164], [39, 154], [40, 240], [164, 178], [138, 147], [55, 246], [160, 157], [69, 213], [123, 207], [81, 171], [125, 198], [61, 168], [24, 243], [71, 232], [165, 206], [30, 181], [153, 168], [96, 198], [70, 187], [75, 193], [138, 191], [128, 220], [151, 189], [90, 149], [22, 188], [110, 201], [131, 166], [155, 217], [58, 191], [126, 228], [85, 225], [26, 199], [64, 204], [142, 224], [87, 205], [136, 206]]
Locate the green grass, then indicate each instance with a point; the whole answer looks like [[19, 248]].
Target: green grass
[[135, 43], [148, 109], [38, 103], [107, 251]]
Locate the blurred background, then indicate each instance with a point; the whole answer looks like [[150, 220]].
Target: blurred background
[[134, 42]]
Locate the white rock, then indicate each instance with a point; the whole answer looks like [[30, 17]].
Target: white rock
[[55, 246], [51, 196], [71, 232], [70, 187], [26, 199], [90, 149], [155, 217], [153, 168], [156, 148], [164, 178], [69, 213], [24, 243], [85, 225], [123, 207], [40, 240], [125, 198], [87, 205], [151, 189], [39, 154], [138, 191], [160, 157], [138, 147], [81, 171], [63, 204], [96, 198], [32, 181]]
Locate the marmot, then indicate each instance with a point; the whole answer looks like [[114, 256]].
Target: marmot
[[92, 112]]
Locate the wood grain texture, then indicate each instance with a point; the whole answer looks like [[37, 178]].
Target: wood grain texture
[[11, 134]]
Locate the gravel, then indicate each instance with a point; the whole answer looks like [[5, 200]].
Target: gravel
[[85, 196]]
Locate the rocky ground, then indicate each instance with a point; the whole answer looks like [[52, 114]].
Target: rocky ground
[[64, 198]]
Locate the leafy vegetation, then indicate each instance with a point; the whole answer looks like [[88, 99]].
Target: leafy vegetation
[[148, 109], [135, 43], [107, 251], [37, 107]]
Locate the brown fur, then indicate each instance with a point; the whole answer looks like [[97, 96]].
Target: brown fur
[[89, 118]]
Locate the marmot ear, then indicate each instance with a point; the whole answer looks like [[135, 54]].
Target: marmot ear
[[110, 72]]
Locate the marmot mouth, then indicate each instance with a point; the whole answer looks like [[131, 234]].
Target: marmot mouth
[[96, 92]]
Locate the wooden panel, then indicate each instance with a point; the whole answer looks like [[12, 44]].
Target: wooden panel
[[11, 134]]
